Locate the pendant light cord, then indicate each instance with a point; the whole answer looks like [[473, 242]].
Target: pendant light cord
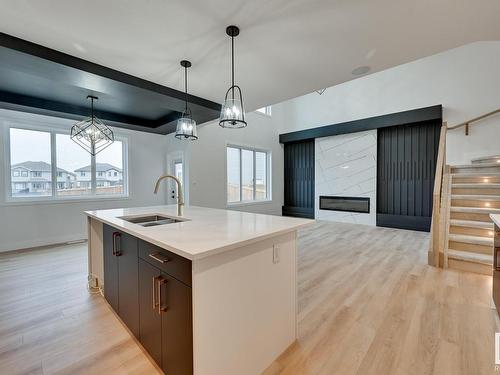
[[232, 65], [186, 88]]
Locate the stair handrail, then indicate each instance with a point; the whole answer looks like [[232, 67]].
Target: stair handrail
[[475, 119], [434, 245]]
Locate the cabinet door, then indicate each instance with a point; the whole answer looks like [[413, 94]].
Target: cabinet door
[[128, 279], [149, 315], [110, 267], [177, 326]]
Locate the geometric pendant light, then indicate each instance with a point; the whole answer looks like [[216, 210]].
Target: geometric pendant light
[[233, 113], [186, 126], [92, 134]]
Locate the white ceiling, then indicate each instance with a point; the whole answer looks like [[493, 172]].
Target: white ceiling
[[286, 47]]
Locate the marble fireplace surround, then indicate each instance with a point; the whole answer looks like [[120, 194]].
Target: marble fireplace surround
[[346, 165]]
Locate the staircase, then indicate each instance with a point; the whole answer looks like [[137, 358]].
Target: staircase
[[474, 194]]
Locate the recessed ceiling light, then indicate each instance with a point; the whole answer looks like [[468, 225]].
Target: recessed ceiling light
[[361, 70]]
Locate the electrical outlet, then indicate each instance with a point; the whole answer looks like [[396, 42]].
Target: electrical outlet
[[276, 254]]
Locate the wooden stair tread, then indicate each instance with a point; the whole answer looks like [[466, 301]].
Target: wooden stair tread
[[473, 185], [476, 174], [476, 210], [479, 160], [474, 240], [471, 224], [477, 197], [478, 165], [470, 257]]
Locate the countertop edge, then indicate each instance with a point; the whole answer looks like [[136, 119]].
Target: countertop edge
[[206, 253]]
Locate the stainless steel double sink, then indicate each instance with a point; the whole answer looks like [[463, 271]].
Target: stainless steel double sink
[[151, 220]]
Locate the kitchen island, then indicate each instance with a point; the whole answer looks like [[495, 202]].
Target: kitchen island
[[211, 292]]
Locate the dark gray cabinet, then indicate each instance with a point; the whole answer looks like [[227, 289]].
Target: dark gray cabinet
[[110, 267], [150, 318], [165, 314], [121, 276], [150, 289], [176, 327]]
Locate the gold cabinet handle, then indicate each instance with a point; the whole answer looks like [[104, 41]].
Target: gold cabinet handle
[[117, 244], [159, 257], [154, 293], [160, 282]]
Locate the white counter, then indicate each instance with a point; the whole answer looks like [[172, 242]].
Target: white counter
[[205, 232]]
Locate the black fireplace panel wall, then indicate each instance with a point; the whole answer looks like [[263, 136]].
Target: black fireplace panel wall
[[406, 164]]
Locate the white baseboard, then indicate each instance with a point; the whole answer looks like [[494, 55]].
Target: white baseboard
[[20, 245]]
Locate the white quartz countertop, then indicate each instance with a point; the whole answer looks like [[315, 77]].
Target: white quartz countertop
[[495, 218], [205, 232]]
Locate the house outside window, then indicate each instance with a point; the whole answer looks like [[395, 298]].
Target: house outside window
[[30, 158]]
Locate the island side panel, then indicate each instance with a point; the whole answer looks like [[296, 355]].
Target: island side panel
[[95, 252], [244, 307]]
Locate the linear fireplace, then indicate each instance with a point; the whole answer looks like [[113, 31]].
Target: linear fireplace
[[347, 204]]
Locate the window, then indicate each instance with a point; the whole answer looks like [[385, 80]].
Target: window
[[247, 175], [265, 110], [110, 158], [33, 175], [70, 157], [178, 170], [233, 174], [30, 149]]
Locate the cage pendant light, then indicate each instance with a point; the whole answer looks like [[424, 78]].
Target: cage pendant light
[[233, 113], [92, 134], [186, 126]]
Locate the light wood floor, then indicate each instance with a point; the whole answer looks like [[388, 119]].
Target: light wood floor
[[368, 304]]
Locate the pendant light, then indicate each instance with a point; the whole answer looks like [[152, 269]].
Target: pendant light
[[186, 126], [92, 134], [233, 113]]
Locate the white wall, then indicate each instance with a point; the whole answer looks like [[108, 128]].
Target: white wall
[[206, 161], [25, 225], [346, 165], [464, 80]]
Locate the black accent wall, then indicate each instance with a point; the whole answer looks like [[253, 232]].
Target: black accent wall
[[406, 165], [299, 179]]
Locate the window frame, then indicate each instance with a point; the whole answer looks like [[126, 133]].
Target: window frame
[[47, 127], [268, 175], [267, 111]]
